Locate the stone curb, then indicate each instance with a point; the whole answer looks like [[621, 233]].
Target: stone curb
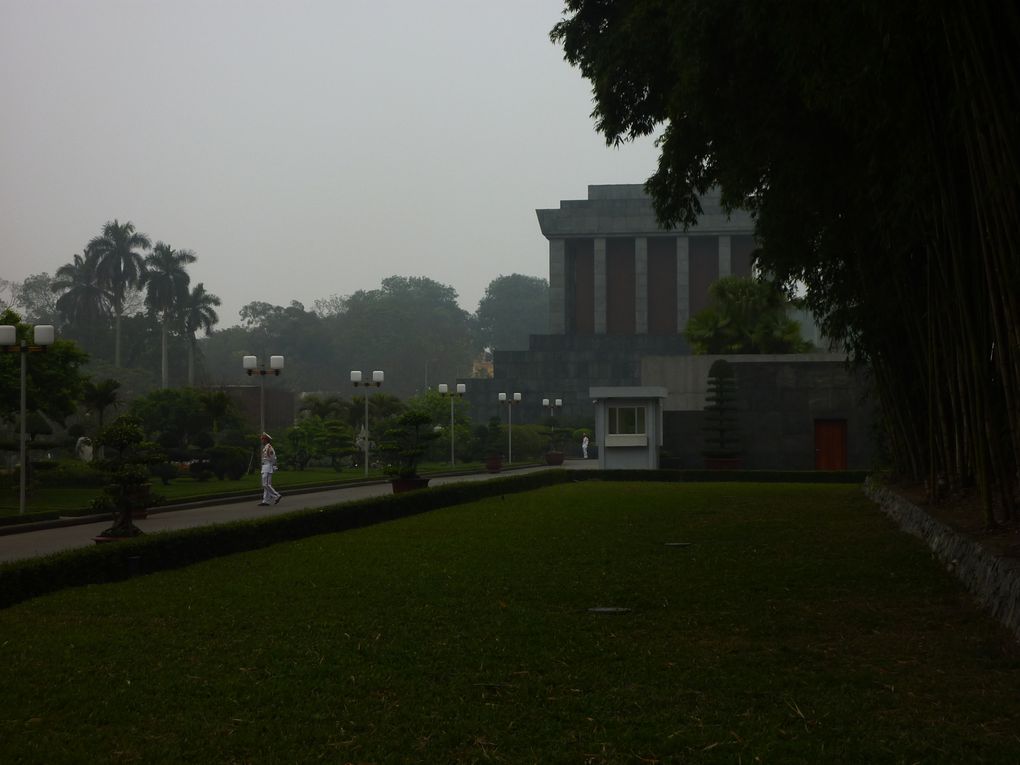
[[994, 581]]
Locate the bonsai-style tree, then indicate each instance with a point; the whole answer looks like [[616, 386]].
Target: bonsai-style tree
[[406, 442], [127, 457], [493, 442], [722, 437], [556, 435]]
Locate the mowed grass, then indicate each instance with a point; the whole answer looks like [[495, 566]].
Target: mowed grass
[[797, 627]]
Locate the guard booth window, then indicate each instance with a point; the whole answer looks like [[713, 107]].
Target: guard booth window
[[626, 420]]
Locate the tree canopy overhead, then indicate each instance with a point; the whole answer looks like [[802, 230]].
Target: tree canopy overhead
[[876, 145]]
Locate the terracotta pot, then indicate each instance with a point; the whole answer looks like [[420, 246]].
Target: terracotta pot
[[400, 485], [494, 463], [554, 458]]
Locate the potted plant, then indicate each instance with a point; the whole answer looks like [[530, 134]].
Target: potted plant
[[722, 437], [126, 458], [494, 446], [554, 454], [405, 443]]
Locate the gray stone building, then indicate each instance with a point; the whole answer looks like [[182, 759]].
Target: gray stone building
[[621, 292], [620, 288]]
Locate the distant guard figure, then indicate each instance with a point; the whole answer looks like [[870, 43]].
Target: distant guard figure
[[584, 446], [270, 496]]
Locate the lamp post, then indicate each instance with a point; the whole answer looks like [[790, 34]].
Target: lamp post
[[445, 391], [553, 405], [510, 401], [251, 366], [377, 381], [42, 336]]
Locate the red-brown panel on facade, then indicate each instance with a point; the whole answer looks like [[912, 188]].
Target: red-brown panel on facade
[[662, 303], [704, 252], [741, 248], [620, 286], [581, 272]]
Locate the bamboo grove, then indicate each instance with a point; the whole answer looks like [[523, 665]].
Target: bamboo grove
[[876, 145]]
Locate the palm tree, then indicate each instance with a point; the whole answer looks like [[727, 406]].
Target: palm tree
[[325, 407], [120, 267], [218, 405], [84, 301], [100, 396], [166, 288], [198, 314]]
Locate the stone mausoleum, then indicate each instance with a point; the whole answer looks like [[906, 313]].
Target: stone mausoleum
[[621, 291]]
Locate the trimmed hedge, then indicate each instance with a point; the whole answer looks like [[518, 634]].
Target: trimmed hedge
[[116, 561], [738, 476]]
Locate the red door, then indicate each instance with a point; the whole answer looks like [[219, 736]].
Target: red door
[[830, 444]]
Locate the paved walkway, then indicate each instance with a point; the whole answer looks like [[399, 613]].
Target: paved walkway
[[30, 544]]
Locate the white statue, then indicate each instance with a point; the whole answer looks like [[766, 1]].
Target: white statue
[[83, 449]]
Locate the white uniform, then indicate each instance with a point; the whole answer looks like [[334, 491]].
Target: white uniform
[[270, 496]]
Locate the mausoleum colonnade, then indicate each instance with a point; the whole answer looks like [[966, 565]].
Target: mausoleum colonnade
[[613, 271]]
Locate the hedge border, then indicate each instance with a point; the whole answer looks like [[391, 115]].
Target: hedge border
[[25, 579]]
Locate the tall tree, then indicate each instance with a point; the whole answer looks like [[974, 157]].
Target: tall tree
[[198, 314], [513, 308], [83, 301], [121, 267], [166, 290], [875, 145], [37, 300], [54, 380], [100, 396]]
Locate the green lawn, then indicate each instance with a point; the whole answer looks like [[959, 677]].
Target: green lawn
[[797, 627]]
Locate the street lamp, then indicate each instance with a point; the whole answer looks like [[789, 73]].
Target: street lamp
[[251, 366], [445, 391], [42, 336], [377, 381], [510, 401], [553, 405]]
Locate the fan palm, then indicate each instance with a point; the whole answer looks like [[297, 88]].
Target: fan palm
[[100, 396], [84, 302], [120, 267], [166, 289], [198, 314]]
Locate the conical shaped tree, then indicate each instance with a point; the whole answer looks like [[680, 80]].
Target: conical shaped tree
[[166, 289], [120, 267], [722, 437]]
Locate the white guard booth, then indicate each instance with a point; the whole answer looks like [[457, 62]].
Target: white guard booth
[[628, 426]]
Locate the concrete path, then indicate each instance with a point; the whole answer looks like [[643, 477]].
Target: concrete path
[[30, 544]]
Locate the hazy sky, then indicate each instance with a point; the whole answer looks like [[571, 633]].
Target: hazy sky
[[301, 148]]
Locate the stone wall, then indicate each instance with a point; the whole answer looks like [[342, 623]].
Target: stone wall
[[994, 581]]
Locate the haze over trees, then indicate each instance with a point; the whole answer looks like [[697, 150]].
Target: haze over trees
[[513, 308], [876, 145]]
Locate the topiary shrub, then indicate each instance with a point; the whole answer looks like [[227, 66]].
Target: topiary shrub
[[228, 461], [164, 471], [722, 436]]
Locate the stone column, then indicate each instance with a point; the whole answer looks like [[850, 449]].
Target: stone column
[[600, 286], [641, 286], [557, 287], [683, 282], [725, 258]]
